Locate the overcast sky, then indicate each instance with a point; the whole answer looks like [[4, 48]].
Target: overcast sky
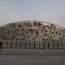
[[46, 10]]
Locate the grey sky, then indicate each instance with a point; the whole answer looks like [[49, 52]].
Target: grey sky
[[46, 10]]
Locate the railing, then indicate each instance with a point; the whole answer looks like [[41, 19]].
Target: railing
[[33, 44]]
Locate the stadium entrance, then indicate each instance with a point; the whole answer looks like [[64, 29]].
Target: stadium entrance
[[0, 44]]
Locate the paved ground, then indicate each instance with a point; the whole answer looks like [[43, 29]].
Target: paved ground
[[32, 57], [31, 60], [42, 52]]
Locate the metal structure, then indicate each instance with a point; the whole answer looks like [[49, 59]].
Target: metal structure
[[33, 44]]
